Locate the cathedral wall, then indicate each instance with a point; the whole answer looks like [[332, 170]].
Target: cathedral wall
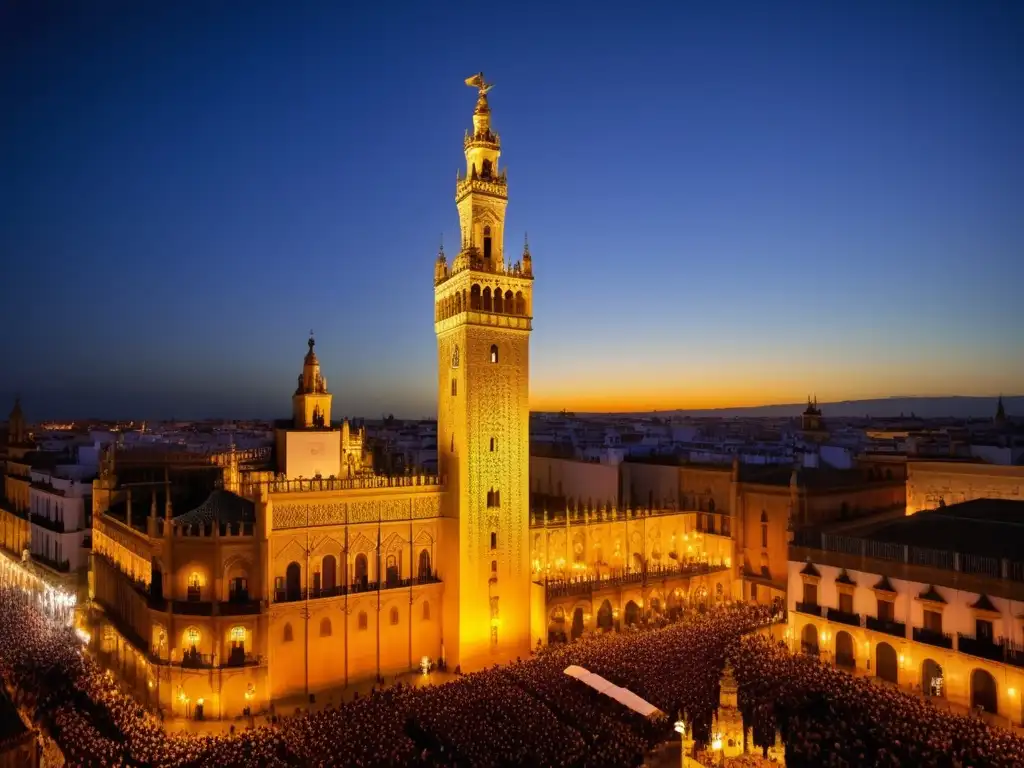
[[845, 503], [700, 487], [312, 454], [650, 485], [774, 503], [948, 482], [580, 480]]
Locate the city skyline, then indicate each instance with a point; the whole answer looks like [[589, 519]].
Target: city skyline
[[172, 251]]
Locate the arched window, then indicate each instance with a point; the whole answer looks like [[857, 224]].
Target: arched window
[[237, 635], [487, 230], [486, 170], [494, 540], [287, 636], [494, 353], [325, 627], [474, 297], [498, 301], [394, 616], [193, 586], [520, 304], [424, 570], [363, 621], [293, 582], [329, 569], [192, 637], [362, 568], [391, 573], [764, 529], [426, 611], [487, 300], [494, 566]]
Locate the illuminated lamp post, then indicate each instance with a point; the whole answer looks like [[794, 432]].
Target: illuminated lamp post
[[716, 747]]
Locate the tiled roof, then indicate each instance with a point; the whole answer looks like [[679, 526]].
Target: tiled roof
[[883, 585], [220, 506], [931, 594], [810, 570], [984, 604]]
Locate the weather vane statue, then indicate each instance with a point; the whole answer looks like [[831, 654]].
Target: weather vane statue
[[477, 81]]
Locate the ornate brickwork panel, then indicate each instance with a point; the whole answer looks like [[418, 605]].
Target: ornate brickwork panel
[[303, 515], [426, 506]]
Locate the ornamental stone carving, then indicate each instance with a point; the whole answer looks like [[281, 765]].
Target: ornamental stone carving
[[311, 515], [426, 506]]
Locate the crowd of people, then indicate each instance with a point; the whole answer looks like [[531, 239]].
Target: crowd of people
[[526, 713], [827, 717]]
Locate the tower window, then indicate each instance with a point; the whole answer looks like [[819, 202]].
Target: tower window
[[487, 230], [455, 387], [494, 566], [493, 499], [494, 353], [493, 443], [494, 540]]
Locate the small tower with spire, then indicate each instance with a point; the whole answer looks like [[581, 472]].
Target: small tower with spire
[[17, 433], [311, 403], [1000, 420]]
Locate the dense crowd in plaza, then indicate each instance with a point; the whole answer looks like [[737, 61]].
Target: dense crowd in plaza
[[526, 713], [829, 718]]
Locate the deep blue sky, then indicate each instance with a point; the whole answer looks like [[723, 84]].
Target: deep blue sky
[[728, 203]]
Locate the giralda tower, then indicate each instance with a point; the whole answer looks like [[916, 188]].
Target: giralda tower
[[482, 315]]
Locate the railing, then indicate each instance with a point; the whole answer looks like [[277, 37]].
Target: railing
[[1014, 653], [253, 487], [193, 607], [241, 660], [298, 595], [843, 617], [239, 607], [931, 637], [588, 585], [982, 647], [812, 609], [888, 626], [50, 524], [196, 661], [63, 566], [910, 555]]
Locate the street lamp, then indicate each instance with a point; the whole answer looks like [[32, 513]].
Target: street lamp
[[680, 728], [716, 747]]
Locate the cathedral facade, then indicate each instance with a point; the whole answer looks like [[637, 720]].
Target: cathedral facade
[[298, 579]]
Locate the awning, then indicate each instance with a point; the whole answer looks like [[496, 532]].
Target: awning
[[622, 695]]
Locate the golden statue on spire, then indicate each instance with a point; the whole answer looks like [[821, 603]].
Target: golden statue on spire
[[477, 81]]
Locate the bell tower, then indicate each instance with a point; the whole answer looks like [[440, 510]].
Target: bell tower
[[483, 318]]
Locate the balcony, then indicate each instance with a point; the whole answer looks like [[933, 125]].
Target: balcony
[[843, 617], [238, 607], [812, 609], [193, 660], [931, 637], [982, 647], [62, 566], [888, 626], [299, 595], [193, 608], [1014, 653], [50, 524], [241, 660]]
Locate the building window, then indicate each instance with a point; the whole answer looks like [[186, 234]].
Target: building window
[[846, 602], [426, 611], [193, 587], [455, 387], [325, 627], [983, 629], [811, 594], [238, 635], [493, 443], [494, 353], [192, 636], [494, 540], [494, 566], [933, 621], [493, 498], [487, 230], [394, 617], [288, 636], [753, 593], [363, 622], [885, 610]]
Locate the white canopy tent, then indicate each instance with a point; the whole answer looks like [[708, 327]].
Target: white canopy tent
[[622, 695]]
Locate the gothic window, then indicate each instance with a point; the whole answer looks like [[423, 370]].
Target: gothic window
[[426, 611], [498, 300], [287, 635], [494, 353], [487, 230], [474, 293], [520, 304], [325, 627], [293, 582], [455, 356], [363, 621], [391, 571], [485, 173], [424, 570], [329, 580], [362, 570], [394, 616], [193, 587], [487, 299]]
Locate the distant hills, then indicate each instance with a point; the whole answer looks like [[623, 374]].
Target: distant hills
[[889, 407]]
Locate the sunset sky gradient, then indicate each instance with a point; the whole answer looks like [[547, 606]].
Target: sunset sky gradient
[[728, 204]]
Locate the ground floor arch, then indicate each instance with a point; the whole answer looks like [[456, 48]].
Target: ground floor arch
[[632, 613], [844, 650], [887, 666], [577, 624], [984, 693], [932, 681], [605, 617], [809, 640]]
